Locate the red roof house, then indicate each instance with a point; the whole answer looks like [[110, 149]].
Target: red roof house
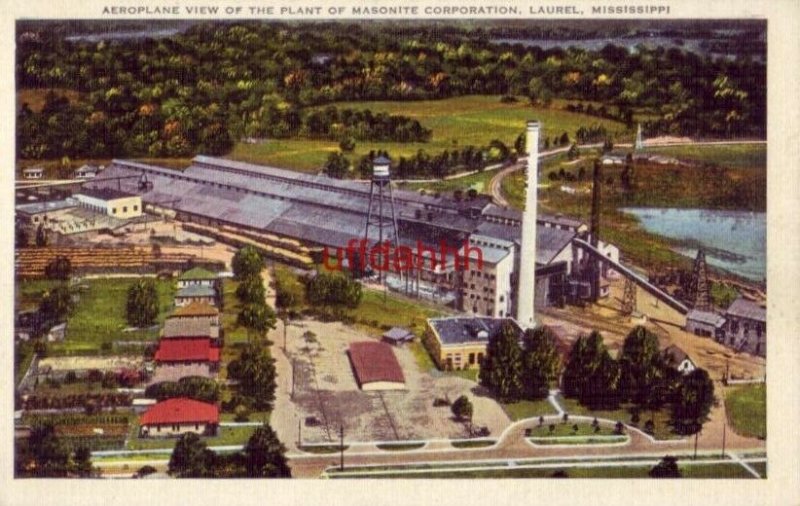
[[376, 367], [178, 416], [187, 350]]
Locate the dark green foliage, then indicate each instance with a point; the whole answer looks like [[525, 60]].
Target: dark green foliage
[[289, 291], [257, 318], [335, 289], [44, 455], [337, 165], [251, 290], [264, 455], [347, 144], [666, 468], [193, 387], [41, 236], [462, 408], [693, 401], [141, 308], [145, 470], [56, 304], [246, 263], [540, 362], [501, 370], [82, 462], [58, 268], [591, 375], [642, 369], [191, 458], [255, 371]]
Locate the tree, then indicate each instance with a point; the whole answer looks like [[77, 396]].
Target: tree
[[56, 304], [264, 455], [141, 308], [608, 145], [573, 152], [666, 468], [41, 236], [693, 401], [540, 362], [462, 408], [501, 371], [82, 462], [642, 367], [251, 290], [21, 237], [256, 317], [191, 458], [58, 268], [336, 166], [347, 144], [247, 262], [590, 371], [255, 372], [50, 458]]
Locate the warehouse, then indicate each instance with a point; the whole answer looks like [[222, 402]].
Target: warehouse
[[375, 366]]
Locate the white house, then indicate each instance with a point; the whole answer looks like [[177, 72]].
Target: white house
[[679, 360], [111, 202]]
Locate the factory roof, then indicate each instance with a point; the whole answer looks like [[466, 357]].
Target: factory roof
[[550, 242], [706, 317], [375, 361], [104, 193], [46, 207], [460, 330], [744, 308]]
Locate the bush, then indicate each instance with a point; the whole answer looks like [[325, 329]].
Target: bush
[[145, 470], [242, 413]]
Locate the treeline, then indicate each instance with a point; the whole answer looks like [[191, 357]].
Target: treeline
[[363, 125], [200, 90]]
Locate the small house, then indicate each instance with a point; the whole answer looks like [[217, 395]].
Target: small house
[[678, 359], [704, 323], [397, 336], [745, 327], [57, 333], [195, 293], [86, 172], [175, 417], [33, 173]]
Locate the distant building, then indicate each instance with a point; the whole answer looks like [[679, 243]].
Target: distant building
[[184, 351], [746, 327], [678, 359], [197, 276], [196, 293], [86, 172], [57, 333], [111, 202], [175, 417], [196, 311], [33, 173], [39, 213], [705, 323], [375, 366], [460, 342], [397, 336]]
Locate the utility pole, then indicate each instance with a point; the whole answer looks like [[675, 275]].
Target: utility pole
[[341, 448], [724, 430], [695, 445], [293, 381], [299, 435], [285, 325]]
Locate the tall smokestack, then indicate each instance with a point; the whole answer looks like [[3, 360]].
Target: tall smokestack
[[597, 182], [527, 263]]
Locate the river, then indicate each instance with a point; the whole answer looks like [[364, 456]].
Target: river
[[733, 240]]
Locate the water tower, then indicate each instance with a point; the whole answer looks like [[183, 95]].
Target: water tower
[[380, 192]]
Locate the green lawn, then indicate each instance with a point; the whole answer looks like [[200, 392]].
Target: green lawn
[[375, 313], [99, 316], [455, 122], [473, 444], [400, 447], [233, 333], [566, 429], [528, 409], [728, 155], [469, 374], [225, 436], [746, 407], [479, 181], [29, 292], [660, 419]]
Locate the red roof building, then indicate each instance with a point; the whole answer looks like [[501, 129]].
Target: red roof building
[[187, 350], [376, 367], [178, 416]]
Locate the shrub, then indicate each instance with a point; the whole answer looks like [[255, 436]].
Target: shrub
[[242, 413]]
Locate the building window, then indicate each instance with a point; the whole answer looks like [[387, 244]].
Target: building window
[[471, 359], [113, 210], [124, 209], [135, 208]]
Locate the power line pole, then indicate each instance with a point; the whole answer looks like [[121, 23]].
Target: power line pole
[[341, 448], [299, 435], [695, 445], [293, 380], [724, 430]]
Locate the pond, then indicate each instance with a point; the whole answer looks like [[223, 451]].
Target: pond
[[733, 240]]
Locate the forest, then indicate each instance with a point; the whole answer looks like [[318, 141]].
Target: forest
[[210, 85]]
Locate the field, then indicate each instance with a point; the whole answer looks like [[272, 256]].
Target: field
[[746, 407], [99, 316], [456, 123], [737, 155], [528, 409], [623, 414], [225, 436]]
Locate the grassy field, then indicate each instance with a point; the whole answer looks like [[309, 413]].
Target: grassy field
[[660, 418], [375, 314], [479, 181], [99, 315], [225, 436], [528, 409], [746, 407], [233, 333], [473, 444], [456, 122], [566, 429], [737, 155], [29, 292]]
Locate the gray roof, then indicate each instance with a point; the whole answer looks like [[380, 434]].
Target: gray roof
[[46, 207], [706, 317], [675, 355], [104, 193], [744, 308], [398, 333], [190, 327], [196, 291], [459, 330]]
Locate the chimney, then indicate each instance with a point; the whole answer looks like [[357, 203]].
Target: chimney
[[527, 263], [597, 183]]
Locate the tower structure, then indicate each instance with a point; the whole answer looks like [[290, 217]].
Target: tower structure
[[594, 264], [380, 192], [629, 297], [526, 287], [639, 145], [699, 295]]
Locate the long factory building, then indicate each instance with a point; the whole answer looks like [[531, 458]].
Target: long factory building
[[322, 212]]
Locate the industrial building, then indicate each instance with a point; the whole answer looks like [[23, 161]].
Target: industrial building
[[460, 342]]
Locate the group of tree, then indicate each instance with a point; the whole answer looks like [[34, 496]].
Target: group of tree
[[194, 387], [141, 307], [334, 289], [591, 134], [180, 94], [640, 377], [254, 371], [263, 456], [45, 455], [333, 123], [514, 371], [255, 314], [58, 268]]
